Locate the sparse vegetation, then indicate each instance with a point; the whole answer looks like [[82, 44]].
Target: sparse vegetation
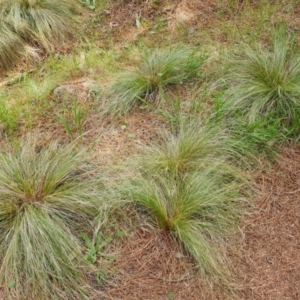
[[183, 107]]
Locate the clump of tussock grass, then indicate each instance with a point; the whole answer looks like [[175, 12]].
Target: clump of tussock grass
[[11, 48], [188, 187], [265, 83], [40, 90], [156, 70], [192, 147], [39, 23], [47, 198], [201, 211]]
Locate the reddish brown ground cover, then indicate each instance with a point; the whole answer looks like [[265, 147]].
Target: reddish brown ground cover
[[270, 267]]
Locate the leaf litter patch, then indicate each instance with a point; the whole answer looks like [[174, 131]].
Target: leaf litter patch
[[270, 265]]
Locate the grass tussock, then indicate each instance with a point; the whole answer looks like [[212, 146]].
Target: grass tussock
[[193, 147], [44, 20], [189, 188], [156, 70], [266, 83], [200, 211], [46, 199], [35, 22], [41, 89], [183, 152], [11, 48]]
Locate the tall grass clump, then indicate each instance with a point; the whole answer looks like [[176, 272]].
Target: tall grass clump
[[200, 211], [265, 83], [193, 147], [11, 47], [36, 22], [40, 20], [46, 199], [156, 70], [187, 186]]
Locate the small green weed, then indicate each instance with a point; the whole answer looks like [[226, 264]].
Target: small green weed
[[95, 248], [77, 121], [9, 117], [259, 137], [91, 4]]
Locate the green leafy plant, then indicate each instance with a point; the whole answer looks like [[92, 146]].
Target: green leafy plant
[[260, 138], [95, 247], [91, 4], [77, 120], [266, 83], [157, 69], [8, 117], [46, 198]]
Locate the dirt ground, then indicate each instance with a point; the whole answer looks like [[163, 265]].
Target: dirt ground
[[212, 20]]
